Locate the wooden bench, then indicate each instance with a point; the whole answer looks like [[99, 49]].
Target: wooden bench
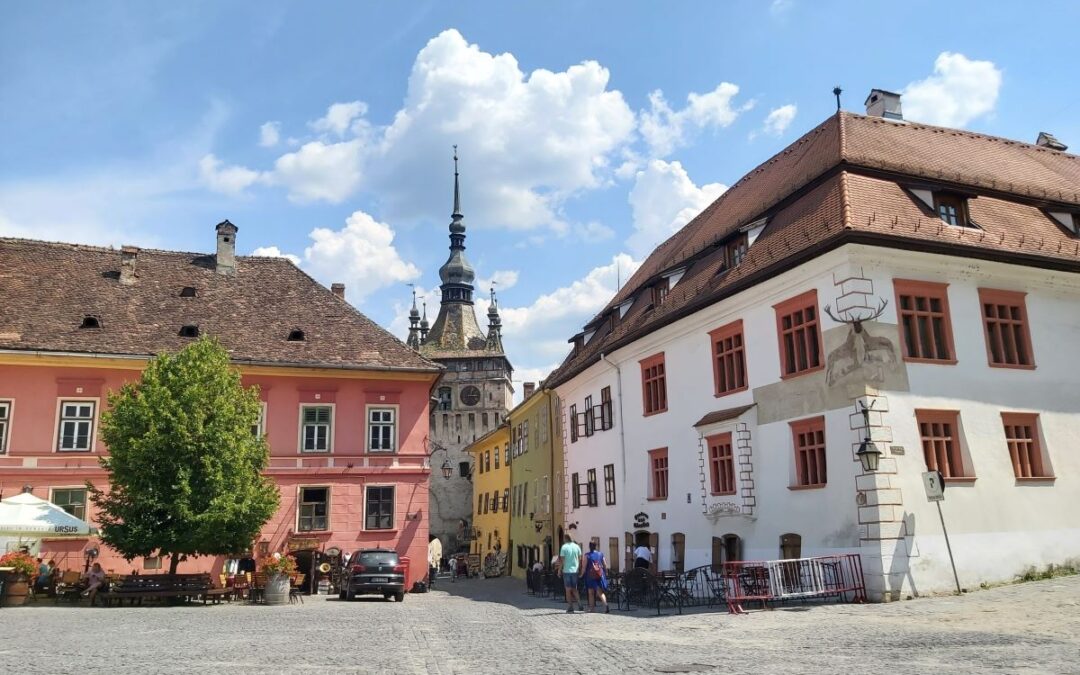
[[157, 586]]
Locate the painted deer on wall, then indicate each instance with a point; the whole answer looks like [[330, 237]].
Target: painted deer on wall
[[861, 348]]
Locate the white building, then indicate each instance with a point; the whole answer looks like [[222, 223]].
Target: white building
[[737, 366]]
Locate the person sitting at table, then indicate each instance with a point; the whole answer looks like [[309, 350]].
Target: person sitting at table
[[41, 583], [94, 579]]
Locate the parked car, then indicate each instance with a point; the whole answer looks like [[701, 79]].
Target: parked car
[[374, 571]]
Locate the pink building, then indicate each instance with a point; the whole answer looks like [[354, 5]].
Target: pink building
[[345, 404]]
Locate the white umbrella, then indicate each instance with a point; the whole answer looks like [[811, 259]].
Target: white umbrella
[[26, 515]]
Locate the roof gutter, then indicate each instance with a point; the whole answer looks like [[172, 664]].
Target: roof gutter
[[238, 362]]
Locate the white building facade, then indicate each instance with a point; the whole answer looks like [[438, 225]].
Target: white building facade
[[736, 420]]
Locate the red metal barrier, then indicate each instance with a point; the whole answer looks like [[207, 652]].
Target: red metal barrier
[[765, 581]]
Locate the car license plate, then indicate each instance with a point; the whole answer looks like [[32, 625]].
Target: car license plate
[[379, 580]]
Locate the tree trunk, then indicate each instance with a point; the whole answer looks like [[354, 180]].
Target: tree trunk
[[174, 560]]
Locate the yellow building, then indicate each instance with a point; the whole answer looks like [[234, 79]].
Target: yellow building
[[491, 496]]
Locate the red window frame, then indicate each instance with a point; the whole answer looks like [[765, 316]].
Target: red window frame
[[658, 474], [939, 432], [1025, 447], [721, 464], [729, 359], [922, 309], [653, 385], [1005, 325], [798, 330], [811, 468]]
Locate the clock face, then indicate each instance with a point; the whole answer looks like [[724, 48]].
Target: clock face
[[470, 395]]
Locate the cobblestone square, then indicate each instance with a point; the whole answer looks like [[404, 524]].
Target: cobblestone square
[[491, 626]]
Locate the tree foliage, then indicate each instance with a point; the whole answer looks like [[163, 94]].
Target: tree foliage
[[185, 469]]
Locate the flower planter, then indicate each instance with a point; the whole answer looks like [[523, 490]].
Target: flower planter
[[277, 589], [16, 590]]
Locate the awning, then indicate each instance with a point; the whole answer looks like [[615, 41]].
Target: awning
[[25, 515]]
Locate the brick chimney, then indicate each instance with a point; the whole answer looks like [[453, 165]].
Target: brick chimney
[[881, 103], [338, 289], [529, 389], [128, 255], [226, 248]]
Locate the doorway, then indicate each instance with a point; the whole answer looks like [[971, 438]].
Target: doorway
[[306, 562]]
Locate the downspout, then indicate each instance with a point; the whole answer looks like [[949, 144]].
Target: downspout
[[551, 472], [622, 425]]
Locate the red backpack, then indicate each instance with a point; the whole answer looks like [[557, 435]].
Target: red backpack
[[596, 570]]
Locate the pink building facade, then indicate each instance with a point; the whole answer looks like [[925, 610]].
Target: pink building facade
[[347, 440]]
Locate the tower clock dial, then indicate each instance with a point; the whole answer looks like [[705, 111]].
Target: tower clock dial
[[470, 395]]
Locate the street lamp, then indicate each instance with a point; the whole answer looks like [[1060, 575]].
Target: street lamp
[[868, 452], [447, 469]]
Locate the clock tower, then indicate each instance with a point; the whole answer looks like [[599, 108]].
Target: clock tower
[[474, 394]]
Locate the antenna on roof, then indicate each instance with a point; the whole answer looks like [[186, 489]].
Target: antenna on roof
[[836, 91], [618, 275]]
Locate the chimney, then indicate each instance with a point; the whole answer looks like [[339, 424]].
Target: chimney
[[338, 290], [226, 248], [1047, 140], [881, 103], [128, 255], [529, 389]]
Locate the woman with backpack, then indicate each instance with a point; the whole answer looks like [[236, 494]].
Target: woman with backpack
[[596, 577]]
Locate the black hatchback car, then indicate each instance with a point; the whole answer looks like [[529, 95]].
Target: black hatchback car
[[374, 571]]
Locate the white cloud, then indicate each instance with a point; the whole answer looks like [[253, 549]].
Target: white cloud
[[361, 255], [269, 134], [593, 232], [320, 171], [342, 118], [779, 119], [959, 91], [780, 7], [230, 180], [503, 280], [665, 129], [275, 252], [664, 199]]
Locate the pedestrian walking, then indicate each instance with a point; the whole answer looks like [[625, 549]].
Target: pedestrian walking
[[596, 577], [570, 563], [642, 557]]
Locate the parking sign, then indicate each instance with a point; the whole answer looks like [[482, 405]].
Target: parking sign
[[935, 486]]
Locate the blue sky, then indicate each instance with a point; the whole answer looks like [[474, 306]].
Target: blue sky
[[588, 131]]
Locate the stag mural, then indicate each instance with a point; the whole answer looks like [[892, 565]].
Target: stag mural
[[861, 348]]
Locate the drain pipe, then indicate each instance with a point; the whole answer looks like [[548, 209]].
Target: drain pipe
[[622, 425]]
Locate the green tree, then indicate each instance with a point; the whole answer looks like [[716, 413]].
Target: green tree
[[184, 469]]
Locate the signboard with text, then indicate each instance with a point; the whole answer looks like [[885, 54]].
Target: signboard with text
[[935, 486]]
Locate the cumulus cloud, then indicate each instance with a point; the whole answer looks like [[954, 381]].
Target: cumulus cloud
[[665, 129], [275, 252], [501, 279], [662, 200], [321, 171], [230, 180], [959, 91], [342, 118], [269, 134], [361, 255], [778, 120]]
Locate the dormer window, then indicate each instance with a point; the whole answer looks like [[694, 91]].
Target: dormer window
[[90, 322], [1069, 221], [296, 335], [188, 292], [660, 292], [189, 331], [952, 209], [735, 251]]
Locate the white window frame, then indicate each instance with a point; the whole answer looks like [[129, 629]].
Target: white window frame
[[299, 495], [86, 497], [329, 433], [8, 405], [369, 424], [67, 400], [393, 516], [260, 426]]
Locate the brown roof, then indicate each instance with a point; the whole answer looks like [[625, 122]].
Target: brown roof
[[46, 289], [842, 182], [723, 415]]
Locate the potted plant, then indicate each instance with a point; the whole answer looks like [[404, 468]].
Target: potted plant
[[19, 572], [277, 569]]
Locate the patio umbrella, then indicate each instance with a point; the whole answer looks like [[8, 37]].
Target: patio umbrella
[[27, 516]]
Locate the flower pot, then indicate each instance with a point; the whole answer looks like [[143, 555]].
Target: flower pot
[[277, 589], [16, 590]]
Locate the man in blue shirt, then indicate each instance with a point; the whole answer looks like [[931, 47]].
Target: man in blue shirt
[[570, 562]]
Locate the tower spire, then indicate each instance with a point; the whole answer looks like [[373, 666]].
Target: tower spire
[[494, 336], [457, 191], [414, 323]]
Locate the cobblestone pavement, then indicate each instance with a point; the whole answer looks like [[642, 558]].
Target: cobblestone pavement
[[491, 626]]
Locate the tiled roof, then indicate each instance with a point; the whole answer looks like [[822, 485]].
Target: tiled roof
[[842, 182], [723, 415], [46, 289]]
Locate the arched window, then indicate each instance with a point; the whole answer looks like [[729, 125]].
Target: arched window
[[790, 546]]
